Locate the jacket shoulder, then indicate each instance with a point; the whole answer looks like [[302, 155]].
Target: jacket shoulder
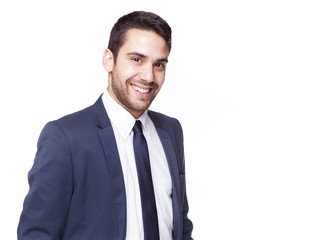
[[171, 125], [163, 121]]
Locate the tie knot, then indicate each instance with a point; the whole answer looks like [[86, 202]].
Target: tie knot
[[137, 128]]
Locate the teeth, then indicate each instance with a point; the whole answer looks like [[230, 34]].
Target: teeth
[[141, 90]]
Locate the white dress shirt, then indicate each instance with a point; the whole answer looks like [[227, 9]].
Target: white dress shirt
[[122, 122]]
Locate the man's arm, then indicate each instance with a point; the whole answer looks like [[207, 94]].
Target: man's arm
[[187, 223], [51, 185]]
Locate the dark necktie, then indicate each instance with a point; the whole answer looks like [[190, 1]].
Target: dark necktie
[[151, 227]]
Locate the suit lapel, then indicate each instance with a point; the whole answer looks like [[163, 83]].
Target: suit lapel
[[174, 172], [107, 138]]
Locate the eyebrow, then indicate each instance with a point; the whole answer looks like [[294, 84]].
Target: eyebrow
[[144, 56]]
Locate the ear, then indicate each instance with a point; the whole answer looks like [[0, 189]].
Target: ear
[[108, 60]]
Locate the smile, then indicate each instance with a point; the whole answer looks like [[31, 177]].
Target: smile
[[141, 90]]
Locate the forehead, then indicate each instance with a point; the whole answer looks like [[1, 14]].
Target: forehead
[[145, 42]]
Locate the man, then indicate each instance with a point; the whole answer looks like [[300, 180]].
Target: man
[[114, 170]]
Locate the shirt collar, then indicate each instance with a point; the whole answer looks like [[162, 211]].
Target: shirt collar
[[120, 118]]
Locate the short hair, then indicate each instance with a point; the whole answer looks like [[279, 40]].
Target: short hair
[[138, 20]]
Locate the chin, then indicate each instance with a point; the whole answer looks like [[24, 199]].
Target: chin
[[141, 107]]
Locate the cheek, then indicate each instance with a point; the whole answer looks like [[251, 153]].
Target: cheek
[[159, 78], [130, 72], [125, 72]]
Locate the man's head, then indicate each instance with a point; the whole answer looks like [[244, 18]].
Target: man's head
[[139, 47]]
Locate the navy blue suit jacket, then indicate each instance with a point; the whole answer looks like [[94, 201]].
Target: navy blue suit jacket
[[76, 183]]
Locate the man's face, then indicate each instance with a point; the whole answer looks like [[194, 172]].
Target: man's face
[[139, 72]]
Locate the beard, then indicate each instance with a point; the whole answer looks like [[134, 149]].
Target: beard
[[122, 92]]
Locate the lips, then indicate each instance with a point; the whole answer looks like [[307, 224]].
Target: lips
[[141, 90]]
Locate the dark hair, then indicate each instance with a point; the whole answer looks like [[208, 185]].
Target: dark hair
[[138, 20]]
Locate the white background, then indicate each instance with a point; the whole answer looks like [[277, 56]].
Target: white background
[[249, 81]]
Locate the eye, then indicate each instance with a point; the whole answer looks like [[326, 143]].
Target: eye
[[160, 65], [137, 60]]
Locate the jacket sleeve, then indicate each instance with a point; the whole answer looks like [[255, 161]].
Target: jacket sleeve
[[187, 223], [51, 184]]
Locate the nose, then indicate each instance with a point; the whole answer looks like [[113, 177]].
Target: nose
[[147, 73]]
